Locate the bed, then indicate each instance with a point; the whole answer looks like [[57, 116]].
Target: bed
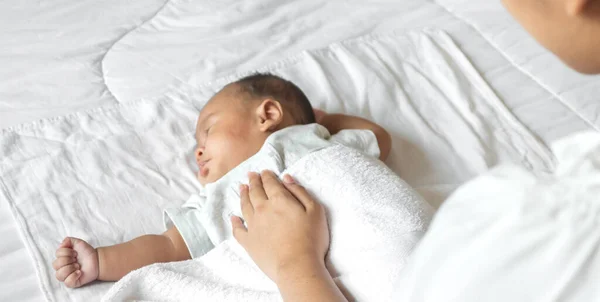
[[67, 57]]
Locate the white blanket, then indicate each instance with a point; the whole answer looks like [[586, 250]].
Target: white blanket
[[375, 221], [105, 175]]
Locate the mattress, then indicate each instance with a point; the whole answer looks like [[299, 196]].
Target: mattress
[[87, 54]]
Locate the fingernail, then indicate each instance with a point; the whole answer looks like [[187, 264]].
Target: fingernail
[[288, 179], [77, 266], [78, 272]]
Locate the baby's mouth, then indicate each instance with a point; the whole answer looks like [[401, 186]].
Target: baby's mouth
[[202, 168]]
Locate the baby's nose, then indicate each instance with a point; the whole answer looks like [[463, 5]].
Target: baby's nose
[[199, 153]]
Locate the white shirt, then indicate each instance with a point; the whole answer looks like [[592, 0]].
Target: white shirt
[[204, 219], [512, 235]]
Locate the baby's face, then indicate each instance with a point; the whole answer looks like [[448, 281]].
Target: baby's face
[[226, 134]]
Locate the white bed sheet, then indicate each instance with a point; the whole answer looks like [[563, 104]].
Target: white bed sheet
[[50, 58], [68, 56], [580, 93]]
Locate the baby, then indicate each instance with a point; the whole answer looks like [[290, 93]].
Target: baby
[[259, 122]]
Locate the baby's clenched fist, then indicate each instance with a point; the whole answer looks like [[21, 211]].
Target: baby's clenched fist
[[76, 262]]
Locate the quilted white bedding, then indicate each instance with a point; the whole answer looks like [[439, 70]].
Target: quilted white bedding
[[71, 56]]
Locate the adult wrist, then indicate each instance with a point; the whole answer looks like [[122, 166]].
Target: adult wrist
[[308, 280], [306, 267]]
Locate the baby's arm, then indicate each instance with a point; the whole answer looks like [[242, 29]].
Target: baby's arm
[[338, 122], [116, 261], [77, 263]]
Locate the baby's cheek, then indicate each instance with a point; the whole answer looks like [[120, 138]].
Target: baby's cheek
[[237, 151], [238, 133]]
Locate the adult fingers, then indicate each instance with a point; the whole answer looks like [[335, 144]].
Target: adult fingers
[[257, 192], [73, 280], [66, 252], [63, 272], [299, 192], [62, 261], [247, 208], [272, 186], [239, 230]]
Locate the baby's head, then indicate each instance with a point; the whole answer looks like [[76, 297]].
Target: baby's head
[[237, 120]]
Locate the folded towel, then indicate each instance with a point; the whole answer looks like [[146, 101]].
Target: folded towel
[[375, 221]]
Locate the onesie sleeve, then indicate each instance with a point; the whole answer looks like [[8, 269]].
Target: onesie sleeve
[[188, 221], [359, 139]]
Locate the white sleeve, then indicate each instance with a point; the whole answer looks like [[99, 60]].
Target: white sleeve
[[359, 139], [511, 235], [187, 219]]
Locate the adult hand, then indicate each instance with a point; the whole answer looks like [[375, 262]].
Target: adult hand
[[287, 237], [286, 226]]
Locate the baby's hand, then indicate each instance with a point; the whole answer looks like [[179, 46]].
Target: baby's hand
[[76, 262], [319, 115]]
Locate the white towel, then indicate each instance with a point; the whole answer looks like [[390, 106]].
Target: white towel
[[375, 221], [89, 174], [223, 274]]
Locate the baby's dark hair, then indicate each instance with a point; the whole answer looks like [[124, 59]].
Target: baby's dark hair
[[266, 85]]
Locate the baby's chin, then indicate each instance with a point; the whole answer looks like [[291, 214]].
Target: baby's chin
[[202, 180], [207, 178]]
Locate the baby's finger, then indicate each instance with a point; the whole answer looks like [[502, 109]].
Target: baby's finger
[[62, 261], [319, 115], [63, 272], [65, 243], [66, 252], [72, 280]]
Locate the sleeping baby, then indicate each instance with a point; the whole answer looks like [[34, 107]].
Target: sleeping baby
[[263, 122]]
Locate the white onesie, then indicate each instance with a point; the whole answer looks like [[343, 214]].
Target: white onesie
[[204, 219]]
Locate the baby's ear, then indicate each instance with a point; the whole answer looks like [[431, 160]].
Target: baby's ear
[[270, 115]]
